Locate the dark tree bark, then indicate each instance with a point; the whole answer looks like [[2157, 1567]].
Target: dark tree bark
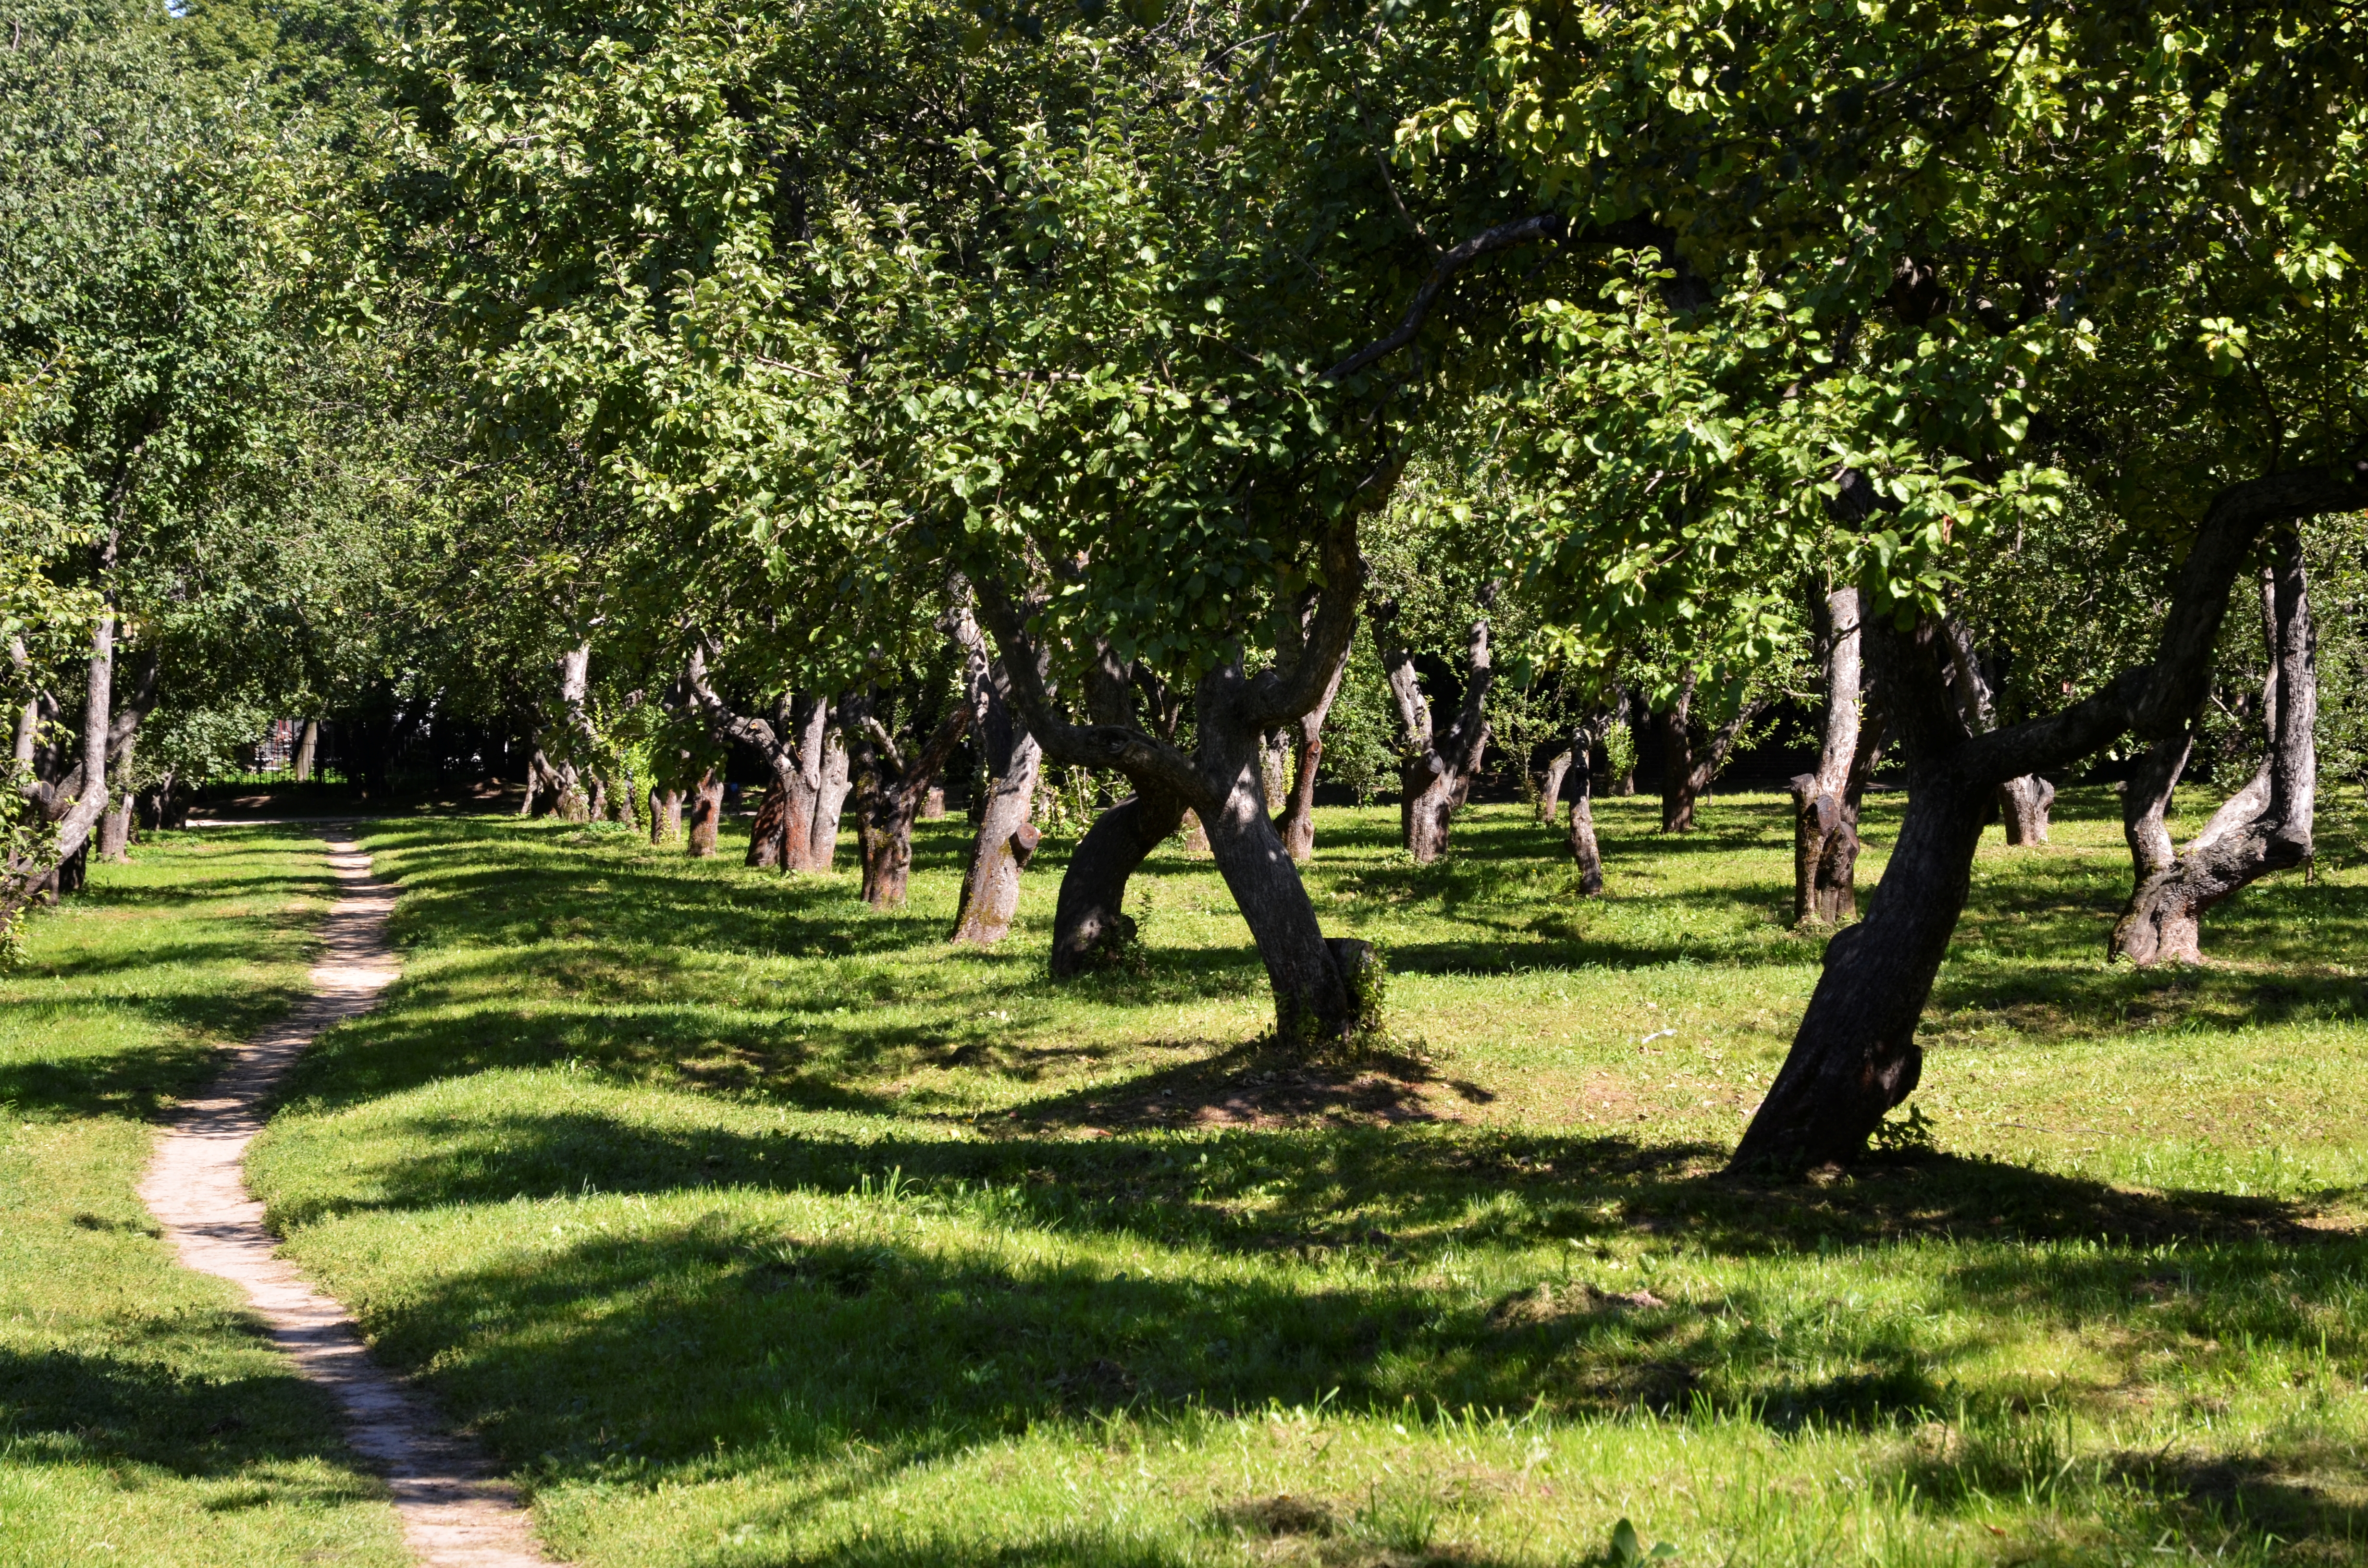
[[1435, 777], [1584, 852], [1318, 985], [889, 791], [2264, 827], [2023, 802], [1090, 926], [1687, 771], [1855, 1055], [706, 815]]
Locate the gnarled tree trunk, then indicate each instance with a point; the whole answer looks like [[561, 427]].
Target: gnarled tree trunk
[[1319, 986], [1435, 777], [889, 792], [797, 821], [706, 815], [2264, 827], [1687, 771], [1855, 1055], [1005, 839]]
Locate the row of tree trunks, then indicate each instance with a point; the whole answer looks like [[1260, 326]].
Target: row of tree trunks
[[1855, 1055], [1435, 777], [2264, 827]]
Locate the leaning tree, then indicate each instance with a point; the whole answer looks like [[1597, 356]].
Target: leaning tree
[[2014, 217]]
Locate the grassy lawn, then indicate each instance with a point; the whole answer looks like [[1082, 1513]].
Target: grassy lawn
[[142, 1418], [751, 1227]]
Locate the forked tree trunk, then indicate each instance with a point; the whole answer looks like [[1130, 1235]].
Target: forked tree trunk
[[706, 815], [2023, 803], [666, 816], [1585, 853], [1313, 979], [1005, 839], [1686, 770], [1321, 989], [1855, 1054], [889, 794], [2023, 807], [797, 821], [2266, 826], [1435, 779]]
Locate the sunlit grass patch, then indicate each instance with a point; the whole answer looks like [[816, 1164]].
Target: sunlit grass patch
[[756, 1227], [142, 1419]]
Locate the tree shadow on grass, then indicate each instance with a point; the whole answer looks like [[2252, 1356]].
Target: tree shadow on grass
[[1023, 1281], [86, 1407]]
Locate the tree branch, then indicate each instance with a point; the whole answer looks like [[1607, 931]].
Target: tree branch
[[2157, 700]]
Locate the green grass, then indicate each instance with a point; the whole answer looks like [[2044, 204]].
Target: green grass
[[748, 1226], [142, 1418]]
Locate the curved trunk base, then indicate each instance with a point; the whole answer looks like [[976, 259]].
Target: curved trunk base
[[1325, 992], [1091, 928]]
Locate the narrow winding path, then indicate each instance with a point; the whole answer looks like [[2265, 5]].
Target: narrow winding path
[[455, 1512]]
